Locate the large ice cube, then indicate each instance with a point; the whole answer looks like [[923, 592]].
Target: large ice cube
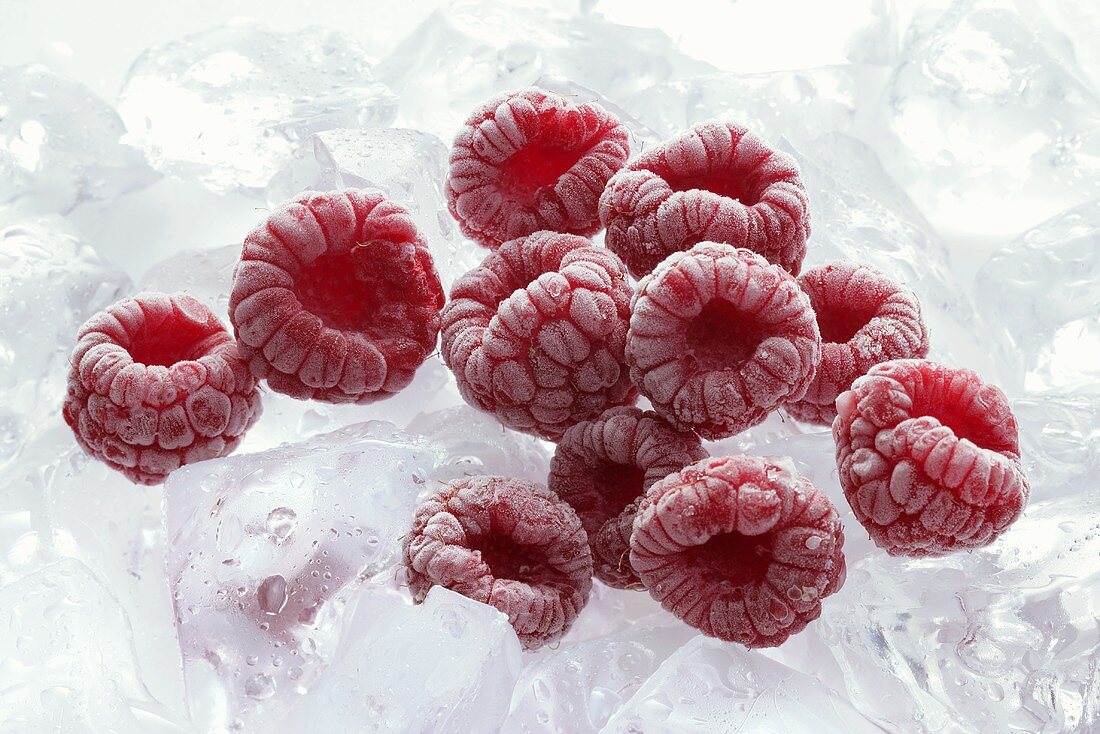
[[1060, 443], [447, 665], [59, 143], [999, 639], [709, 685], [1042, 293], [470, 51], [265, 550], [229, 105], [50, 282], [67, 659], [994, 129]]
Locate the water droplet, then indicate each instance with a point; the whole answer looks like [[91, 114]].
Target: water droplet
[[813, 542], [272, 594], [281, 522], [259, 687]]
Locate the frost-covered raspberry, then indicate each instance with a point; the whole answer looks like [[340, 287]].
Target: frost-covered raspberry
[[603, 467], [739, 547], [505, 542], [929, 458], [336, 298], [719, 337], [156, 382], [865, 318], [535, 333], [532, 160], [717, 183]]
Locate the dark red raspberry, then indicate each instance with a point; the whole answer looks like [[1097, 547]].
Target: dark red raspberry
[[336, 298], [739, 547], [156, 382], [532, 160], [929, 458], [505, 542], [535, 333], [716, 183], [603, 467], [719, 337], [865, 318]]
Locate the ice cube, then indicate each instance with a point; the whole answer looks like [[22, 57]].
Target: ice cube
[[1060, 443], [447, 665], [228, 106], [265, 551], [67, 657], [577, 687], [998, 639], [59, 143], [994, 130], [50, 282], [1042, 293], [409, 166], [710, 685], [470, 51], [206, 275]]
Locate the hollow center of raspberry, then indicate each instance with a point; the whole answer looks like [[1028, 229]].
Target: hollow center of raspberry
[[621, 485], [346, 290], [722, 336], [729, 184], [733, 558], [508, 559], [951, 412], [840, 322], [175, 340], [533, 168]]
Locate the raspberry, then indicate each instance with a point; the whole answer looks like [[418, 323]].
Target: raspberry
[[336, 298], [864, 318], [535, 333], [156, 382], [602, 467], [719, 337], [533, 160], [929, 458], [508, 543], [718, 183], [739, 547]]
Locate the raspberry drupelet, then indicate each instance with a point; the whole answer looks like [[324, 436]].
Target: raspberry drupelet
[[156, 382], [603, 467], [535, 334], [739, 547], [717, 182], [929, 458], [719, 337], [509, 543], [864, 319], [336, 298], [532, 160]]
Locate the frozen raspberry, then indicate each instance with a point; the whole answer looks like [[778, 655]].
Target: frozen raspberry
[[719, 337], [929, 458], [535, 333], [336, 298], [717, 183], [156, 382], [864, 318], [739, 547], [505, 542], [532, 160], [603, 467]]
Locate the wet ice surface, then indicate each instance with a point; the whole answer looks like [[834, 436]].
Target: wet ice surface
[[951, 144]]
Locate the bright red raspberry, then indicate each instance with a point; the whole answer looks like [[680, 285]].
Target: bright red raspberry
[[156, 382], [604, 466], [532, 160], [719, 337], [739, 547], [535, 333], [505, 542], [929, 458], [865, 318], [336, 298], [717, 183]]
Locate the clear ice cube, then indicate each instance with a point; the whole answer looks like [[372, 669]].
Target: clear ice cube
[[228, 106]]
